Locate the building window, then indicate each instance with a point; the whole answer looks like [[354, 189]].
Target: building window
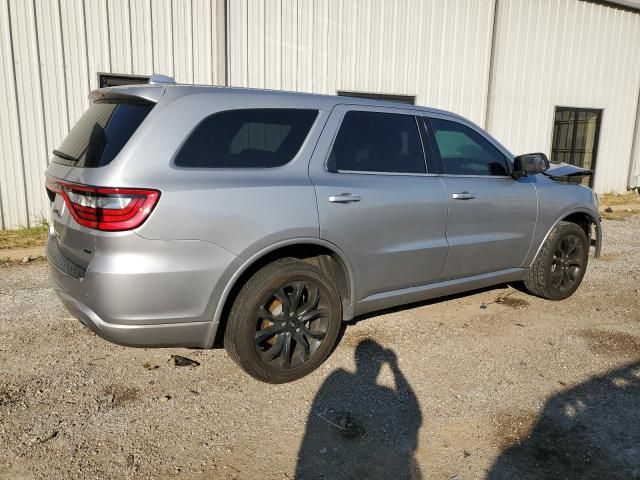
[[117, 79], [575, 137], [410, 99]]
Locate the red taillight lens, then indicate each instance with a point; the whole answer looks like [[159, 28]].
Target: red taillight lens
[[108, 209]]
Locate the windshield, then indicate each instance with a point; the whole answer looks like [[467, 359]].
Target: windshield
[[101, 133]]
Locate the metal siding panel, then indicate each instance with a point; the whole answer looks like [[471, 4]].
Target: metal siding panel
[[141, 39], [98, 49], [162, 37], [30, 108], [238, 38], [438, 51], [182, 42], [272, 42], [75, 58], [304, 60], [220, 49], [12, 194], [119, 36], [579, 61], [52, 68], [202, 44], [289, 44]]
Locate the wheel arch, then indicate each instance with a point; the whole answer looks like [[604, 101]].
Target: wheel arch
[[584, 218], [327, 256]]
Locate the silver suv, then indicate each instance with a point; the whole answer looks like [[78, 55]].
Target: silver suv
[[189, 215]]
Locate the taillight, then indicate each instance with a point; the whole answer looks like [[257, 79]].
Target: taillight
[[103, 208]]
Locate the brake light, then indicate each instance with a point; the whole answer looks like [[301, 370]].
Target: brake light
[[107, 209]]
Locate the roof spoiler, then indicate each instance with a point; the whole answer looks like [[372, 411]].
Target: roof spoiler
[[130, 93]]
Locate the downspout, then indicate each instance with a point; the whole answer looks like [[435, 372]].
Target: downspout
[[635, 148], [494, 30], [222, 42]]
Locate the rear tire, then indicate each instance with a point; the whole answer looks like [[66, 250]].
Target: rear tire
[[284, 322], [557, 271]]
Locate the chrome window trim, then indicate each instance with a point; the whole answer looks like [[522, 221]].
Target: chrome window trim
[[386, 174], [474, 176]]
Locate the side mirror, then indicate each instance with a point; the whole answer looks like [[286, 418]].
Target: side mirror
[[529, 164]]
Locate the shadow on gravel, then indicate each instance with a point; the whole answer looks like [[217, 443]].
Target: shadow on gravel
[[591, 431], [358, 429], [433, 301]]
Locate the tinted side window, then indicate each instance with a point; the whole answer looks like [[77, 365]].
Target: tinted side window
[[377, 142], [252, 138], [465, 152], [100, 134]]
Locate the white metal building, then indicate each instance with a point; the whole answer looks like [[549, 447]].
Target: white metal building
[[559, 76]]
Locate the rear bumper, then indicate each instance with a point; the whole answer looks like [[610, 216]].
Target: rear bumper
[[185, 334], [140, 292]]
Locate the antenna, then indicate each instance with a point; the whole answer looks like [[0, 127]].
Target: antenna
[[157, 79]]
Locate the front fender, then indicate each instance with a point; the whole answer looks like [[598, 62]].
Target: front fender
[[595, 220]]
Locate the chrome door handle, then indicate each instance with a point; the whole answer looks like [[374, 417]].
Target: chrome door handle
[[463, 196], [344, 198]]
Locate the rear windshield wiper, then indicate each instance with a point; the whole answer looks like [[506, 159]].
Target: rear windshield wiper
[[66, 156]]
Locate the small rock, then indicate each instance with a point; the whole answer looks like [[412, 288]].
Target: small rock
[[323, 450], [608, 210], [165, 398], [466, 454], [25, 260], [180, 361]]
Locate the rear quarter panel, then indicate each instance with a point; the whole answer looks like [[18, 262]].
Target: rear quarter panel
[[240, 210]]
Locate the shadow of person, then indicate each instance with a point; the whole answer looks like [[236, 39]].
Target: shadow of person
[[359, 429], [591, 431]]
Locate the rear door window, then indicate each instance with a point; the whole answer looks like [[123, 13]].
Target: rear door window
[[101, 133], [248, 138], [377, 142], [465, 152]]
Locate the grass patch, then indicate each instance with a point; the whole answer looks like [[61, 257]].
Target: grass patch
[[620, 215], [611, 199], [24, 237]]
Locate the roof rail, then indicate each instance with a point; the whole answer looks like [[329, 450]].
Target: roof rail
[[157, 79]]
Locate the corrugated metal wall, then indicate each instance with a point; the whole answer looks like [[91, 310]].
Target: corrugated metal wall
[[546, 53], [566, 53], [437, 50], [50, 54]]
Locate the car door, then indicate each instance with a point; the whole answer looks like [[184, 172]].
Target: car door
[[492, 217], [376, 200]]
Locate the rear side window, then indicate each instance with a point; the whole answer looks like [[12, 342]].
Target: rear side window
[[377, 142], [252, 138], [101, 133], [465, 152]]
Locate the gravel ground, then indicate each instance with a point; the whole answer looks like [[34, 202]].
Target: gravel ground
[[522, 388]]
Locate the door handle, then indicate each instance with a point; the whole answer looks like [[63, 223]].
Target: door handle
[[463, 196], [344, 198]]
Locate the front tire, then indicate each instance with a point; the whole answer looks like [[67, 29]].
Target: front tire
[[284, 322], [557, 271]]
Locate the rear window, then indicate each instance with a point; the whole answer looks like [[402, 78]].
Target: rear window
[[251, 138], [101, 133]]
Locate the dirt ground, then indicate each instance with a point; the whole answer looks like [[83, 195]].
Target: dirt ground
[[493, 384]]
